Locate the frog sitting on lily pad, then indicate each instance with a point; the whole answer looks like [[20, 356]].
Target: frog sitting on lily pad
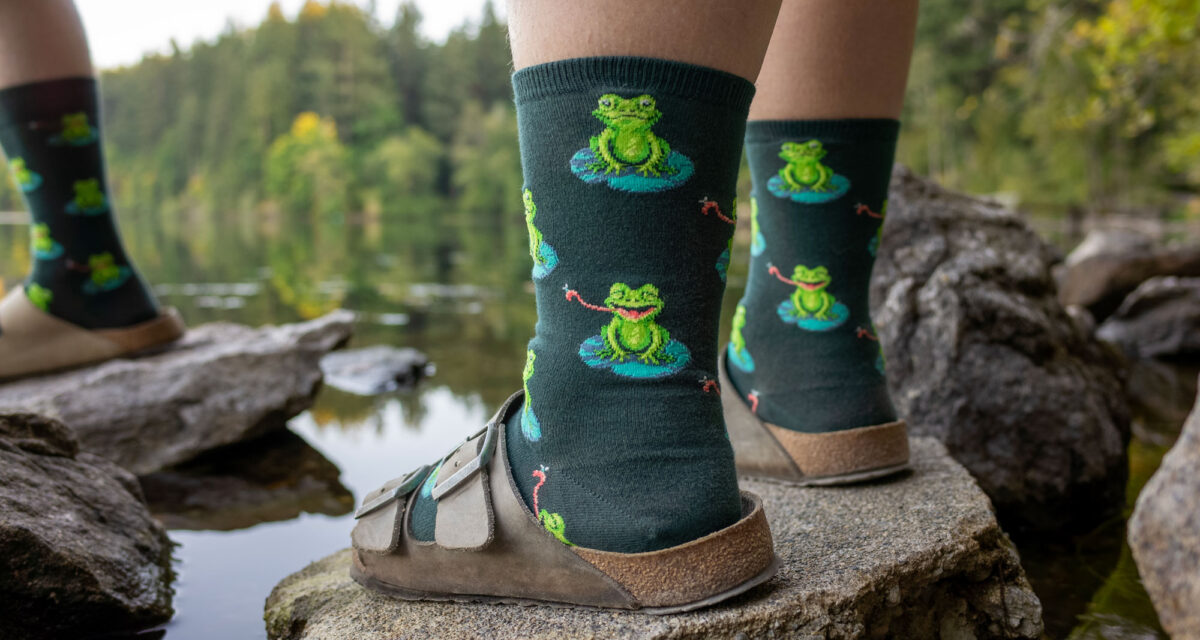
[[106, 274], [89, 200], [44, 246], [804, 178], [27, 180], [627, 155], [77, 131]]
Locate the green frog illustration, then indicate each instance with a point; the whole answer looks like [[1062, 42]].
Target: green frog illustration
[[804, 171], [88, 195], [535, 236], [104, 269], [42, 242], [40, 296], [735, 334], [633, 330], [810, 298], [555, 524], [627, 139], [22, 173], [526, 375], [76, 127]]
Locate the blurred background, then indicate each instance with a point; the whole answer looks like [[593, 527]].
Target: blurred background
[[275, 161]]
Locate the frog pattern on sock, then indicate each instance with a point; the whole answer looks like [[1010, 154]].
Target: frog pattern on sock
[[43, 246], [633, 344], [804, 178], [739, 355], [27, 180], [758, 243], [552, 522], [77, 131], [545, 258], [106, 274], [40, 296], [627, 155], [811, 306], [89, 199], [531, 428]]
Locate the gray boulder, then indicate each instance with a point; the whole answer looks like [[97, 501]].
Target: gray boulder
[[1161, 318], [1100, 242], [1164, 534], [1100, 273], [79, 552], [221, 383], [920, 557], [981, 355], [374, 370]]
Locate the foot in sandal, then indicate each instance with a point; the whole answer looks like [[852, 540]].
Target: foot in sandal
[[609, 480], [807, 401], [84, 301]]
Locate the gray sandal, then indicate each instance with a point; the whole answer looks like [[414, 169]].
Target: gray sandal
[[489, 547]]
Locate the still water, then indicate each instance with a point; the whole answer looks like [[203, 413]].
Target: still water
[[247, 516]]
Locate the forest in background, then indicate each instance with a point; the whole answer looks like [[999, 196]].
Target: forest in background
[[1080, 104]]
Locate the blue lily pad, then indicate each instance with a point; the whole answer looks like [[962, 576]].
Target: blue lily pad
[[91, 287], [787, 312], [879, 362], [92, 136], [549, 260], [758, 244], [723, 264], [873, 245], [628, 179], [741, 359], [55, 251], [530, 427], [35, 181], [840, 184], [77, 210], [676, 358]]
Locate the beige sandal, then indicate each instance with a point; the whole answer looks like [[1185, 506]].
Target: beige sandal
[[34, 342], [765, 450], [490, 548]]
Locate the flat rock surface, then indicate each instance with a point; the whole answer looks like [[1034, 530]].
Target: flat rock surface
[[220, 384], [983, 356], [79, 552], [1160, 319], [1164, 534], [918, 557], [374, 370]]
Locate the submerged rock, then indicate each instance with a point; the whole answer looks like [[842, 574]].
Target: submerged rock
[[1161, 318], [275, 477], [79, 552], [375, 370], [919, 557], [1164, 534], [1100, 273], [220, 384], [981, 355]]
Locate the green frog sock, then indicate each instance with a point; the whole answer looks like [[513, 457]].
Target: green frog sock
[[630, 173], [803, 351], [50, 134]]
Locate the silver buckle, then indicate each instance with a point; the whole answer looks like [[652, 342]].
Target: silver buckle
[[472, 467], [406, 486]]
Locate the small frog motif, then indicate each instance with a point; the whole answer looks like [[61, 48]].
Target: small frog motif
[[104, 269], [40, 296], [88, 196], [21, 172], [535, 236], [804, 170], [633, 330], [810, 298], [736, 339], [42, 242], [76, 128], [627, 139]]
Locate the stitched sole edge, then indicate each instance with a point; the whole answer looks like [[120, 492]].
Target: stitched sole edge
[[834, 480], [401, 593]]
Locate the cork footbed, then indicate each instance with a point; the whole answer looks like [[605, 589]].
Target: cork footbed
[[33, 342], [768, 451]]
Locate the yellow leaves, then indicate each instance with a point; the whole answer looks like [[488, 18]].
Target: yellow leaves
[[309, 126], [313, 10]]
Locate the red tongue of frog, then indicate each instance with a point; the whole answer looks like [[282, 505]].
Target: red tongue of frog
[[810, 286], [635, 314]]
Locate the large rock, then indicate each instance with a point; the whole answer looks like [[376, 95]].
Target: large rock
[[1164, 534], [920, 557], [1107, 266], [374, 370], [79, 552], [1161, 318], [268, 479], [981, 355], [220, 384]]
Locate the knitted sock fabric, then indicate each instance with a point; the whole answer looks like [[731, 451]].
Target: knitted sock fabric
[[803, 351], [630, 172], [50, 134]]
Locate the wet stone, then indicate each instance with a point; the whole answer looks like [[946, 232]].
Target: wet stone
[[918, 557], [374, 370], [220, 384]]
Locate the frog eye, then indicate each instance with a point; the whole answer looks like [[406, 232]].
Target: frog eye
[[813, 144], [605, 102], [646, 102]]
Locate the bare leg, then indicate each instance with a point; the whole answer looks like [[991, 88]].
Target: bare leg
[[41, 40], [730, 36], [837, 59]]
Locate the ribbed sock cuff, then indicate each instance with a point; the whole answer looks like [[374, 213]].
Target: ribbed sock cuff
[[838, 130], [48, 100], [626, 74]]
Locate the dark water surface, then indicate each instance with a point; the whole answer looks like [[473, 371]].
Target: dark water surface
[[247, 516]]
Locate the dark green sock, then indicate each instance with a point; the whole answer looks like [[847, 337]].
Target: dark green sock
[[50, 133], [803, 351], [630, 173]]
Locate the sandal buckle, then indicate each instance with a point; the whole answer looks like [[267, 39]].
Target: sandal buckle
[[475, 465], [406, 486]]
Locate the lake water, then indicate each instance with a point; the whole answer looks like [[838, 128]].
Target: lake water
[[458, 291]]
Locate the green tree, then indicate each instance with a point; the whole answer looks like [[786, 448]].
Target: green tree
[[306, 170]]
